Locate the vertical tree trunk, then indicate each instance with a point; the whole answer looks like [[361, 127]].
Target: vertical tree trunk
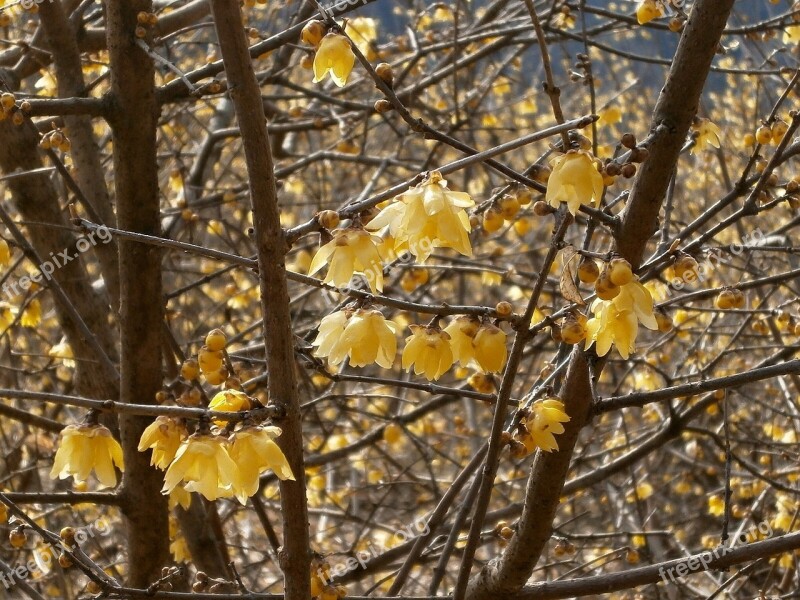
[[246, 94], [133, 120]]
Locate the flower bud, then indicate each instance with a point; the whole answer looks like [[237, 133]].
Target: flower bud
[[313, 32]]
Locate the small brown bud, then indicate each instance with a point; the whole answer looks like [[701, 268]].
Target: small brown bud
[[629, 140], [313, 32], [542, 208], [386, 73], [639, 155], [383, 106], [628, 170], [328, 219]]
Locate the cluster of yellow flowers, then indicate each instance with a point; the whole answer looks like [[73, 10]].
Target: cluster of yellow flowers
[[426, 217], [542, 423], [476, 342], [214, 464], [622, 303], [366, 337], [616, 321]]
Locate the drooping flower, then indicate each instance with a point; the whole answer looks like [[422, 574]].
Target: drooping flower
[[254, 451], [83, 448], [574, 180], [647, 11], [462, 332], [707, 134], [543, 423], [365, 335], [63, 351], [334, 56], [164, 437], [426, 217], [229, 401], [203, 464], [350, 251], [616, 321], [490, 348], [428, 351], [331, 328]]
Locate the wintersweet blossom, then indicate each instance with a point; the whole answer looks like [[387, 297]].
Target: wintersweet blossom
[[428, 216], [164, 437], [428, 351], [254, 451], [202, 464], [350, 251], [543, 423], [334, 56], [365, 335], [616, 321], [574, 180], [86, 448], [647, 11], [707, 134]]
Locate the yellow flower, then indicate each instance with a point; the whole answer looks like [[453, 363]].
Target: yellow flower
[[32, 315], [177, 545], [462, 332], [574, 180], [791, 35], [203, 465], [363, 31], [428, 350], [5, 253], [254, 452], [366, 336], [230, 401], [83, 448], [616, 321], [647, 11], [543, 423], [164, 436], [428, 216], [490, 348], [334, 56], [716, 506], [179, 497], [63, 351], [350, 251], [331, 328], [707, 134]]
